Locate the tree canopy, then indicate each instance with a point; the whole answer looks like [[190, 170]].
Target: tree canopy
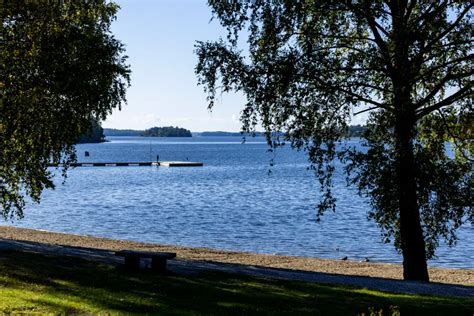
[[94, 135], [167, 131], [60, 69], [310, 66]]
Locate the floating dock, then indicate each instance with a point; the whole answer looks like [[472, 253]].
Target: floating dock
[[134, 164], [179, 164]]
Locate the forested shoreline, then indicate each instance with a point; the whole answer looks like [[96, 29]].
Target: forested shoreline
[[353, 131]]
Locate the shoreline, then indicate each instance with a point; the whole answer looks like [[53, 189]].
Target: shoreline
[[369, 269]]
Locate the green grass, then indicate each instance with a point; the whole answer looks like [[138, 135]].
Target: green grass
[[34, 283]]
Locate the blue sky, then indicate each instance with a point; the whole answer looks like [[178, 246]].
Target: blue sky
[[159, 36]]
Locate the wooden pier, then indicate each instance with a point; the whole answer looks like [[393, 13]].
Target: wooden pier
[[179, 164], [134, 164]]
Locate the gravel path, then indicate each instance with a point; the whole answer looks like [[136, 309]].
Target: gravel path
[[195, 266]]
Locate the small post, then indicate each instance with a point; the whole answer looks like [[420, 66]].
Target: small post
[[158, 265], [132, 263]]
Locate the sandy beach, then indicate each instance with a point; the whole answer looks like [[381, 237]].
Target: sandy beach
[[391, 271]]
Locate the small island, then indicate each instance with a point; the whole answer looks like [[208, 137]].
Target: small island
[[166, 131]]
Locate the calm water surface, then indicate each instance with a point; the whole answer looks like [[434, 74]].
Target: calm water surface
[[231, 203]]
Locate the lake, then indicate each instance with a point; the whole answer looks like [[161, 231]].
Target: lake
[[231, 203]]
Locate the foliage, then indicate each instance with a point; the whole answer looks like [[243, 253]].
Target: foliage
[[311, 66], [167, 131], [60, 69], [32, 283], [94, 135]]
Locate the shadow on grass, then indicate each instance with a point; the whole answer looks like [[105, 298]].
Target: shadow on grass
[[68, 285]]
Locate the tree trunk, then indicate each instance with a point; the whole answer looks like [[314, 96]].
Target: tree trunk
[[411, 234]]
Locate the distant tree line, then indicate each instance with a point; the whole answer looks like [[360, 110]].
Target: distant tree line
[[355, 130], [167, 131], [95, 134], [122, 132], [221, 133], [352, 131]]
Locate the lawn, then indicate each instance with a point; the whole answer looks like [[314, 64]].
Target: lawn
[[34, 283]]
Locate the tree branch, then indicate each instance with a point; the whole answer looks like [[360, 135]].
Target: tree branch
[[440, 85], [361, 98], [409, 10], [428, 12], [461, 93], [341, 47], [366, 110], [457, 43], [382, 45], [451, 27], [380, 28], [433, 69], [367, 85], [355, 96], [453, 137], [370, 39]]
